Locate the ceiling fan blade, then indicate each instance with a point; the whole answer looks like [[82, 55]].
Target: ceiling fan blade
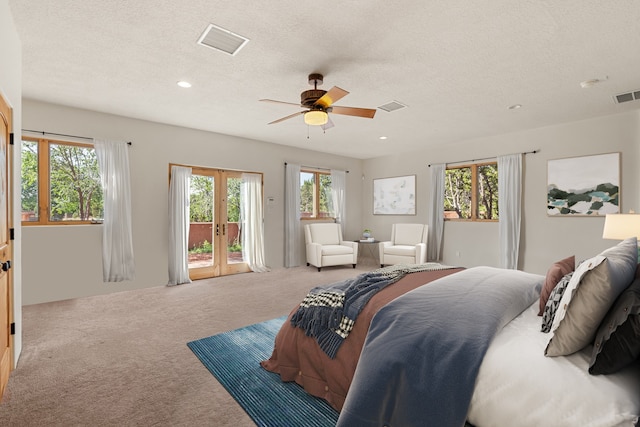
[[353, 111], [279, 102], [290, 116], [334, 95], [327, 125]]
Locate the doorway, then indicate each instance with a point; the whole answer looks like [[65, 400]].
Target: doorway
[[215, 232]]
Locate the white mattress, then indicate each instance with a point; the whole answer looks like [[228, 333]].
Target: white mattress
[[519, 386]]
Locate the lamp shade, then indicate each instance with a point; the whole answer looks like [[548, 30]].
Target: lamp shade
[[316, 117], [621, 226]]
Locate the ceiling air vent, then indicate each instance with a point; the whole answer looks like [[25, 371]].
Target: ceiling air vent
[[626, 97], [223, 40], [392, 106]]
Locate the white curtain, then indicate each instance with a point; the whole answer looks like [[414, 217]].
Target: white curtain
[[179, 225], [251, 217], [292, 215], [338, 196], [509, 208], [436, 212], [117, 241]]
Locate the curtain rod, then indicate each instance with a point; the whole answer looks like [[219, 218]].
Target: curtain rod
[[484, 158], [314, 167], [62, 134]]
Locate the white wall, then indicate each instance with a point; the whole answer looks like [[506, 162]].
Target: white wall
[[63, 262], [11, 87], [544, 239]]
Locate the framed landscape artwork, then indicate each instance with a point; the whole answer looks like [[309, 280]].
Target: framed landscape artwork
[[394, 196], [584, 186]]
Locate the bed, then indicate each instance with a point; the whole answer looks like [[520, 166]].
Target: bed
[[449, 345]]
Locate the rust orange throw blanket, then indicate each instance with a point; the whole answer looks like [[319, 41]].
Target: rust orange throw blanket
[[297, 357]]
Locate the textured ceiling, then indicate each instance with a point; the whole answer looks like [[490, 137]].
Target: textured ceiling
[[457, 64]]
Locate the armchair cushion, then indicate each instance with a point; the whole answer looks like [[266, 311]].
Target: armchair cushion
[[328, 250], [401, 250], [325, 234], [408, 234]]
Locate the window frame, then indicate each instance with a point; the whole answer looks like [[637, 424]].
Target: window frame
[[44, 188], [316, 196], [474, 192]]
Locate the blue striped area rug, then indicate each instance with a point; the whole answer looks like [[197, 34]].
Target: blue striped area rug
[[234, 359]]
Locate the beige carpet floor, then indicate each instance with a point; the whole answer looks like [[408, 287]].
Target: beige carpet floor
[[122, 359]]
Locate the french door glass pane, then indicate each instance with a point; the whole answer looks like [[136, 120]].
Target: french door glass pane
[[201, 221], [234, 236]]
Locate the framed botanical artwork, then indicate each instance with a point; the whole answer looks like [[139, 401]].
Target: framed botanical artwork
[[394, 196], [584, 186]]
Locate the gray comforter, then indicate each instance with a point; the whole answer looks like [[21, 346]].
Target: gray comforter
[[423, 351]]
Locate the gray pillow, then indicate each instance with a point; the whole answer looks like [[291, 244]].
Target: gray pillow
[[617, 342], [591, 292]]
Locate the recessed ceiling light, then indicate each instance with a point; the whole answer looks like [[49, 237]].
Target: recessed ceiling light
[[383, 137], [184, 84], [515, 106]]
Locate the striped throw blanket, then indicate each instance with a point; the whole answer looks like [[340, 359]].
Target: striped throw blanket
[[328, 313]]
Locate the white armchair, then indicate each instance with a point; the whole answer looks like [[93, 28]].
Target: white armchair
[[325, 246], [408, 245]]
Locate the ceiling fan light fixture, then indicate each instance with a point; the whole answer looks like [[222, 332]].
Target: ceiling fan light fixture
[[319, 103], [316, 117]]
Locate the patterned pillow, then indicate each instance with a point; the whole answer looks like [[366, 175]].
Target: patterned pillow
[[617, 342], [593, 289], [553, 302], [554, 274]]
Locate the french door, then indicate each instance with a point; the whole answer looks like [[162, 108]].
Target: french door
[[215, 232]]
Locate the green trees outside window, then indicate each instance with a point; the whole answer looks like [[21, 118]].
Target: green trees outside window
[[30, 180], [488, 191], [62, 180], [201, 199], [233, 199], [76, 191], [457, 193], [471, 192], [315, 194]]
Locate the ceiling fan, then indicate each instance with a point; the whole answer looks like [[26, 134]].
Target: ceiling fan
[[319, 103]]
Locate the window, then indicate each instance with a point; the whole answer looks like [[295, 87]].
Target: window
[[315, 194], [60, 183], [471, 192]]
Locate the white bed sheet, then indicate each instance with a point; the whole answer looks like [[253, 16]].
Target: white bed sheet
[[519, 386]]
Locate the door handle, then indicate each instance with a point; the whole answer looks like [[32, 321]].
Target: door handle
[[5, 265], [217, 229]]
